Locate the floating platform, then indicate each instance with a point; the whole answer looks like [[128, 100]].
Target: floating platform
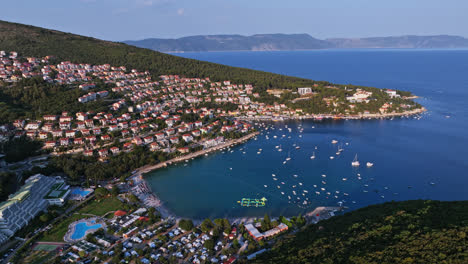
[[249, 202]]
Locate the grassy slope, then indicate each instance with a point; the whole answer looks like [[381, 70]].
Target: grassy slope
[[35, 41], [395, 232]]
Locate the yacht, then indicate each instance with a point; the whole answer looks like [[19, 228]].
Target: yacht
[[355, 162]]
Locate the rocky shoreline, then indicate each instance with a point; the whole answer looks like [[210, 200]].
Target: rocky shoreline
[[334, 117]]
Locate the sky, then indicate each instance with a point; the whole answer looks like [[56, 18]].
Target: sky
[[138, 19]]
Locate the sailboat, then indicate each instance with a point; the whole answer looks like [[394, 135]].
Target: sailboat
[[355, 162], [313, 155]]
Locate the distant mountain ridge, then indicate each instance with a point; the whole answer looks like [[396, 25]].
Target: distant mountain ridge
[[271, 42]]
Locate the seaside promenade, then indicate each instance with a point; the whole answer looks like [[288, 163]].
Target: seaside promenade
[[148, 168]]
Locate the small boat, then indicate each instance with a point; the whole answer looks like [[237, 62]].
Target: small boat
[[317, 193], [315, 147], [345, 179], [297, 147], [295, 175], [282, 183], [273, 175], [284, 162], [355, 162], [315, 186], [300, 183], [331, 157], [230, 168], [324, 176], [289, 197], [265, 185], [278, 187], [259, 152], [294, 192], [369, 164], [306, 191], [334, 141], [323, 182], [282, 193], [313, 155], [323, 189], [432, 183]]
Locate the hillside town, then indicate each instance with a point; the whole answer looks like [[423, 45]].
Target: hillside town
[[169, 114]]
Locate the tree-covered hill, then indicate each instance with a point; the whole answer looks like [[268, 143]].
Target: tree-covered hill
[[35, 41], [394, 232]]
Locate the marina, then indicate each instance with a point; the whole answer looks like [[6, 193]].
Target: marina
[[412, 157]]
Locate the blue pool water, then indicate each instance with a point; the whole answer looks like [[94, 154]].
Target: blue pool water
[[79, 191], [81, 228], [409, 154]]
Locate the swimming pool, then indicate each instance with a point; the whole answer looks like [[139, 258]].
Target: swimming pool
[[82, 228], [80, 192]]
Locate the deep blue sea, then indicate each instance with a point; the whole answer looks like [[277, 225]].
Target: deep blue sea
[[425, 158]]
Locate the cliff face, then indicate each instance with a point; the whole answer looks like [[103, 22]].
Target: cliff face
[[266, 42]]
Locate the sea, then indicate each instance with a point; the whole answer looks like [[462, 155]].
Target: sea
[[421, 157]]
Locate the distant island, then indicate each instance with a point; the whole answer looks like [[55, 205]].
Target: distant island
[[276, 42]]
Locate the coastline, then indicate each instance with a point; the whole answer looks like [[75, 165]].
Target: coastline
[[141, 187], [335, 117]]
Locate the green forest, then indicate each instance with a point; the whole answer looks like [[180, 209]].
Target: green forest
[[394, 232], [40, 42]]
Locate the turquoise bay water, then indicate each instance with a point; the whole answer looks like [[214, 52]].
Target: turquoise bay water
[[81, 228], [409, 154]]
